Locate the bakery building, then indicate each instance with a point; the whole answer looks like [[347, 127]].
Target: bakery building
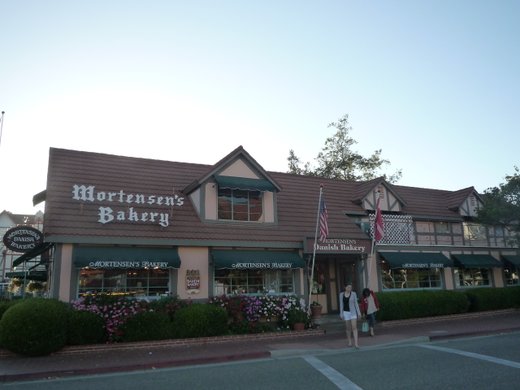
[[148, 228]]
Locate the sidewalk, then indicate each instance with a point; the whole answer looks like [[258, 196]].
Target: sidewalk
[[94, 359]]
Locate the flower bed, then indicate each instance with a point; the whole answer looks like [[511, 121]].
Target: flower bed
[[260, 309], [246, 314]]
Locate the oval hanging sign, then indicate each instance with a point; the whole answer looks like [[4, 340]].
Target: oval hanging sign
[[23, 238]]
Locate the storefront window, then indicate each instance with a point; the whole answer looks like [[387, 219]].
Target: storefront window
[[511, 275], [402, 278], [472, 277], [239, 205], [132, 282], [229, 282]]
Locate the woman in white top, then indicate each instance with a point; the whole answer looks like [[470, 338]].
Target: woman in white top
[[349, 312]]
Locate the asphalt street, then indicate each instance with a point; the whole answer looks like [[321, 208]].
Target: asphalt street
[[482, 362]]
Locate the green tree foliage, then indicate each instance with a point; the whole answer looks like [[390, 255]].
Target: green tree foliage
[[501, 205], [338, 160]]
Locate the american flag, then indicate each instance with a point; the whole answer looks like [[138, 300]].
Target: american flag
[[324, 215], [379, 224]]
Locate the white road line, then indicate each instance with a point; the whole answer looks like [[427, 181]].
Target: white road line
[[487, 358], [331, 374]]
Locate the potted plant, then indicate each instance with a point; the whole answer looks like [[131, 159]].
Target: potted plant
[[316, 309], [297, 318]]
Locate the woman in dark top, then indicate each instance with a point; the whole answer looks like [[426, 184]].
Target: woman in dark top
[[349, 312]]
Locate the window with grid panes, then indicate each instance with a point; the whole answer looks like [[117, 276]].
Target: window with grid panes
[[239, 205]]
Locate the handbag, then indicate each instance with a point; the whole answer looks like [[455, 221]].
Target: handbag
[[364, 326]]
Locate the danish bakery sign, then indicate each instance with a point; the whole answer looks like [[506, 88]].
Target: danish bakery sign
[[23, 238], [122, 206]]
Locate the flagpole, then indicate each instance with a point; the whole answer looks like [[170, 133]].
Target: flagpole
[[311, 282], [377, 219]]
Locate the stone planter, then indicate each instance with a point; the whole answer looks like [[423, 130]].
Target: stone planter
[[299, 326]]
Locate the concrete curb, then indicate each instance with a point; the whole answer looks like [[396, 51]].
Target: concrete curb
[[475, 333], [134, 367], [82, 349], [451, 317]]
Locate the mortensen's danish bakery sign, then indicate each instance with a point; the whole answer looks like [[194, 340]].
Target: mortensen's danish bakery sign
[[337, 245], [123, 206], [22, 238]]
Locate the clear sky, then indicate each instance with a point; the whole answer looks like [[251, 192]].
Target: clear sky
[[433, 83]]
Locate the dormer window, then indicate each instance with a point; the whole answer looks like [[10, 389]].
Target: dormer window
[[241, 198], [239, 205]]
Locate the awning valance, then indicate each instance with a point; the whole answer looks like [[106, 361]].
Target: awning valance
[[36, 251], [476, 261], [40, 276], [243, 183], [125, 257], [266, 260], [416, 259], [515, 260]]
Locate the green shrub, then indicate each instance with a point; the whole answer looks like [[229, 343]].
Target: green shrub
[[35, 327], [515, 296], [147, 325], [4, 305], [482, 299], [85, 327], [200, 320], [397, 305]]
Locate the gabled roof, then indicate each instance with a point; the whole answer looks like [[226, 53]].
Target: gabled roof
[[296, 204], [427, 203], [69, 220], [364, 189], [455, 199], [236, 154]]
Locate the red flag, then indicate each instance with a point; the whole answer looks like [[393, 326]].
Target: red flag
[[324, 215], [379, 229]]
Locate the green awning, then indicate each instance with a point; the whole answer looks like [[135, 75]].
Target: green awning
[[243, 183], [515, 260], [416, 259], [125, 257], [36, 251], [40, 276], [476, 261], [266, 260]]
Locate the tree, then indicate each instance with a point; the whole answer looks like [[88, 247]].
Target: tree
[[501, 205], [337, 160]]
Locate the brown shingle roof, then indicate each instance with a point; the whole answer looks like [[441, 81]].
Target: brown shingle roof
[[69, 220]]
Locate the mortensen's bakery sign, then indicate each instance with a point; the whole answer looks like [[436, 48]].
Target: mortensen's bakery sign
[[123, 206], [22, 238]]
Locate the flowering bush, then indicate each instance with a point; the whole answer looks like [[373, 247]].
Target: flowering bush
[[114, 311], [253, 308]]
